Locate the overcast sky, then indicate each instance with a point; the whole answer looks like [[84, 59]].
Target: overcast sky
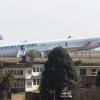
[[40, 20]]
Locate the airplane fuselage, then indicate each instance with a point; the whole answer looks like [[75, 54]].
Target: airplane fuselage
[[8, 50]]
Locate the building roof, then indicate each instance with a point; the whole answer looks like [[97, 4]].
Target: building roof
[[21, 64], [88, 66]]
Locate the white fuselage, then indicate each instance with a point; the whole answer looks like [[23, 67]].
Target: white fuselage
[[8, 50]]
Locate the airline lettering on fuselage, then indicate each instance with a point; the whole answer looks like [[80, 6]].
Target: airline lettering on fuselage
[[87, 44]]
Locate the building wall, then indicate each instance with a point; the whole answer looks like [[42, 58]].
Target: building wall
[[33, 77], [19, 77], [87, 75], [28, 78], [25, 78], [88, 70]]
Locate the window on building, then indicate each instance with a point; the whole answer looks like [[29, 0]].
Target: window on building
[[93, 71], [41, 69], [20, 80], [15, 84], [29, 84], [34, 81], [82, 71], [29, 71], [20, 72], [21, 84], [34, 69], [37, 69], [38, 81], [18, 84]]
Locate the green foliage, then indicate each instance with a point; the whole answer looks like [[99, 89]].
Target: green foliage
[[32, 54], [59, 72], [7, 79], [78, 62], [6, 84], [98, 80]]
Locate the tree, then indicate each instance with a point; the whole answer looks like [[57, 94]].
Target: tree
[[32, 54], [59, 73], [6, 82], [98, 80]]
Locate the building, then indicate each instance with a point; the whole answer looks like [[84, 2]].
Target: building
[[87, 75], [26, 75], [33, 76]]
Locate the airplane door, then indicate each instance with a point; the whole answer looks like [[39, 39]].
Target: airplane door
[[22, 47], [22, 51]]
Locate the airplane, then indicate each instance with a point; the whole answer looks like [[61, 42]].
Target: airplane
[[20, 49]]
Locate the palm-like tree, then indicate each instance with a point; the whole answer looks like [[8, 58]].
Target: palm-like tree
[[6, 82]]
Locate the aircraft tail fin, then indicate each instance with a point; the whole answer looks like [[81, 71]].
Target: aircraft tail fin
[[69, 37]]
